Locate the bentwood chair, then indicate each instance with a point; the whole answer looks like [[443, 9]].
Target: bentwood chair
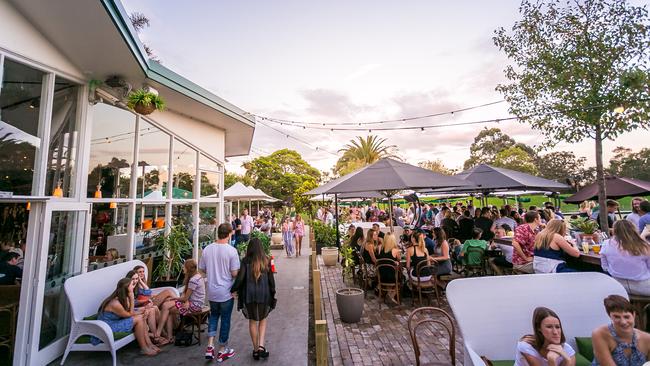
[[424, 287], [385, 286], [436, 320]]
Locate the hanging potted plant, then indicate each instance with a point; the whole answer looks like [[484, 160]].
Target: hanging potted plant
[[349, 300], [145, 102]]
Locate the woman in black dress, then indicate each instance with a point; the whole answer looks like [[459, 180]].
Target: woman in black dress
[[389, 250], [255, 289]]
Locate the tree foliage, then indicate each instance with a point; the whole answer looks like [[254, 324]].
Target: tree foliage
[[489, 143], [563, 165], [516, 158], [231, 178], [363, 151], [573, 64], [437, 166], [280, 174], [629, 164], [139, 21]]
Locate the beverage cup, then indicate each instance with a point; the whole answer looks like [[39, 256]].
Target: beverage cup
[[585, 247]]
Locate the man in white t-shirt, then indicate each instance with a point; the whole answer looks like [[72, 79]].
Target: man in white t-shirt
[[247, 225], [220, 265]]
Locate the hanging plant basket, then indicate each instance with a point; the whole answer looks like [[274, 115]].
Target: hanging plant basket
[[144, 109], [145, 102]]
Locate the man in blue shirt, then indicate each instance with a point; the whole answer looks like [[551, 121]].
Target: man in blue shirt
[[644, 211]]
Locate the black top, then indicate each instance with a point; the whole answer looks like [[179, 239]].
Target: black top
[[251, 291], [381, 234], [415, 260], [485, 224], [465, 228], [235, 224], [387, 275], [450, 226], [9, 273], [366, 256]]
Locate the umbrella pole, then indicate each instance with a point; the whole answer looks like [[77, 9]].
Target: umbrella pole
[[238, 209], [390, 213], [336, 220]]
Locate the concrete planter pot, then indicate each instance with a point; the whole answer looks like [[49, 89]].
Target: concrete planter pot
[[276, 238], [330, 255], [349, 302]]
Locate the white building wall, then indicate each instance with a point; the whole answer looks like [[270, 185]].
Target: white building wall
[[17, 35], [208, 138]]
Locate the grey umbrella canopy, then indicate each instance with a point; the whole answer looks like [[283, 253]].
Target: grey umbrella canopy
[[486, 178], [388, 175], [616, 187]]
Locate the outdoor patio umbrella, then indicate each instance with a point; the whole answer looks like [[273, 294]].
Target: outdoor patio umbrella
[[616, 187]]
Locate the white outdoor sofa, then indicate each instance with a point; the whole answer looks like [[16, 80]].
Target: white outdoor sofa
[[493, 313], [85, 293]]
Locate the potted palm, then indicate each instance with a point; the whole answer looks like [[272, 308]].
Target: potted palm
[[145, 102], [175, 247], [586, 226], [349, 300]]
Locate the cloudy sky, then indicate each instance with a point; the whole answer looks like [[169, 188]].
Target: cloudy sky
[[340, 61]]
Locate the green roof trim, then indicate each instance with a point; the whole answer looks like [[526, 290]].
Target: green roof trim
[[161, 74]]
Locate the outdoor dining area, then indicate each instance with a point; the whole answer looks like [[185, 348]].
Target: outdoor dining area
[[422, 273]]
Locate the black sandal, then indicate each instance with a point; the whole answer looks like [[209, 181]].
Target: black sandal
[[256, 355], [263, 352]]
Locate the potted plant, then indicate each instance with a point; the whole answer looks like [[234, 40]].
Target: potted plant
[[586, 226], [325, 237], [145, 102], [176, 247], [349, 300]]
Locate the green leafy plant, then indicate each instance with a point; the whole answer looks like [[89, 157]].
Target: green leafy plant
[[584, 225], [175, 247], [324, 235], [347, 253], [145, 102], [266, 243]]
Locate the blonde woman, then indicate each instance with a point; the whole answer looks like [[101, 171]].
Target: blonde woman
[[298, 232], [415, 254], [551, 248], [389, 251], [626, 257], [369, 251], [586, 207]]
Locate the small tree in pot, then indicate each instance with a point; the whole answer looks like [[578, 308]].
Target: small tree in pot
[[175, 247], [325, 236]]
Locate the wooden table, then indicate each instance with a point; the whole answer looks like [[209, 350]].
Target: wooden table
[[589, 258]]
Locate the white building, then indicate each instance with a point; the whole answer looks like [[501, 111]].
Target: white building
[[66, 67]]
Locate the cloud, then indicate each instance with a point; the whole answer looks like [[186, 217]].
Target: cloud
[[330, 103], [362, 71]]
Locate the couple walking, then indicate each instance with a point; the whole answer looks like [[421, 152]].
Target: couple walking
[[250, 281], [289, 232]]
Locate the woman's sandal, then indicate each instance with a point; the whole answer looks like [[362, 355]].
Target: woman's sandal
[[256, 355], [263, 352], [161, 341]]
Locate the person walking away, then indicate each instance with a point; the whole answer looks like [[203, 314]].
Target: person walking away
[[220, 265], [255, 289], [236, 224], [287, 236], [298, 232], [247, 225]]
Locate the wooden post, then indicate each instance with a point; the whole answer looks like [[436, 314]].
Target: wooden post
[[321, 342], [314, 260], [317, 295]]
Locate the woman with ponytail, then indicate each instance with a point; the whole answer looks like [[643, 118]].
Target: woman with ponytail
[[255, 288]]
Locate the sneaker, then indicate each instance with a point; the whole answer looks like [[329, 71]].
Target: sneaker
[[209, 353], [225, 354]]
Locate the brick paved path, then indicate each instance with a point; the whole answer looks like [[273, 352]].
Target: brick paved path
[[381, 337]]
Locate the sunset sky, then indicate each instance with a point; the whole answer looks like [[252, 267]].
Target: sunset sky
[[348, 62]]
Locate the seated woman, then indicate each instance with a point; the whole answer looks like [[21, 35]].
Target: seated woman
[[627, 258], [390, 251], [619, 343], [118, 311], [143, 292], [111, 255], [415, 254], [148, 310], [551, 248], [440, 253], [547, 346], [191, 301], [356, 242], [370, 247]]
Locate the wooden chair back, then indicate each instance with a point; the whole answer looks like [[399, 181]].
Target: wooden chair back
[[435, 317]]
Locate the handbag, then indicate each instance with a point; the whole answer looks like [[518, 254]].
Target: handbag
[[183, 339]]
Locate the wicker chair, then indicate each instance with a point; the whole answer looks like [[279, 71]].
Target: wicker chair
[[385, 286], [434, 317], [428, 287]]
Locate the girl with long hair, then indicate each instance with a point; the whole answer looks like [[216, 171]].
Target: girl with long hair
[[118, 311], [287, 236], [626, 257], [298, 232], [255, 287], [147, 309], [415, 254], [191, 301], [440, 253], [389, 250], [551, 248], [356, 242], [547, 345]]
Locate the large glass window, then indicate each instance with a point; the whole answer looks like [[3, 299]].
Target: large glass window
[[208, 222], [108, 229], [152, 227], [64, 138], [184, 170], [210, 177], [111, 152], [153, 173], [20, 101]]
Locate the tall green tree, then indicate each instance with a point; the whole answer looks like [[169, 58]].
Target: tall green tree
[[488, 143], [563, 165], [281, 173], [630, 164], [362, 151], [572, 65], [516, 158], [437, 166], [231, 178]]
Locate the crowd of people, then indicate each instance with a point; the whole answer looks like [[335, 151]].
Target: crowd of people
[[219, 278]]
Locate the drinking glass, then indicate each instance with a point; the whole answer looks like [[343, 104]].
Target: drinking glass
[[596, 248]]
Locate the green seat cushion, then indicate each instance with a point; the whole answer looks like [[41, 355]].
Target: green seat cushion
[[502, 363], [582, 360], [585, 347], [85, 339]]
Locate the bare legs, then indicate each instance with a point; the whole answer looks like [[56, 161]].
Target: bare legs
[[257, 330], [160, 298], [298, 244], [140, 330], [167, 321]]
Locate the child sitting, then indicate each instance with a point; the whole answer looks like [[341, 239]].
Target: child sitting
[[473, 259]]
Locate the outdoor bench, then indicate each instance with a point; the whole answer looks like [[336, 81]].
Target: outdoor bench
[[494, 312], [85, 294]]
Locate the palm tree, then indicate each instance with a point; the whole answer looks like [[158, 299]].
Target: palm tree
[[363, 151]]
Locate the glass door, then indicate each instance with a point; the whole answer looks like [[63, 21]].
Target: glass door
[[62, 253]]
